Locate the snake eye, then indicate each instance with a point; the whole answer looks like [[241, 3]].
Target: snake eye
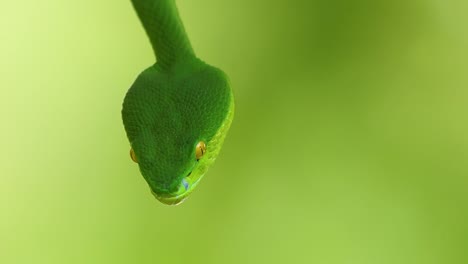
[[200, 150], [133, 156]]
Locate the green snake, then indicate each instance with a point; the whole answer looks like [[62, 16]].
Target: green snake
[[178, 111]]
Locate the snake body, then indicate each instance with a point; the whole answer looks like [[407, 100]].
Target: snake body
[[178, 111]]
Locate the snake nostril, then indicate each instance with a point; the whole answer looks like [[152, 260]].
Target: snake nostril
[[185, 183]]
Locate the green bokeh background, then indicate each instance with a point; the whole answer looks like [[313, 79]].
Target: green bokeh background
[[349, 144]]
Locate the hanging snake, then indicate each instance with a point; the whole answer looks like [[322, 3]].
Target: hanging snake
[[178, 111]]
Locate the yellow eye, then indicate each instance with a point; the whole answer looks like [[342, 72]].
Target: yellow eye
[[200, 150], [133, 156]]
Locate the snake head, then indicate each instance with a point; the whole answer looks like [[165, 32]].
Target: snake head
[[176, 122]]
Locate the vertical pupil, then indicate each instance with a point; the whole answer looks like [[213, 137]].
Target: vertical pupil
[[200, 150], [133, 156]]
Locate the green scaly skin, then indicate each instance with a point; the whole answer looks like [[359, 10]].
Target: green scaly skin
[[173, 105]]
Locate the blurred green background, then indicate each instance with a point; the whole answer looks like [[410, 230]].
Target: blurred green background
[[349, 144]]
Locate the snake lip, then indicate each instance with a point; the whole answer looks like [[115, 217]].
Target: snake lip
[[177, 199]]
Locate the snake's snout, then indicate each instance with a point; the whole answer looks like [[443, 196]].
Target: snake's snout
[[176, 197]]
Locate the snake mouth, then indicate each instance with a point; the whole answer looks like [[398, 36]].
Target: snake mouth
[[170, 200], [186, 186]]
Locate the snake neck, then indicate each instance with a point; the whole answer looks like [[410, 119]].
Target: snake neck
[[167, 35]]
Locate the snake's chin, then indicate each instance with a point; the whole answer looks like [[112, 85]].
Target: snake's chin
[[175, 200]]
